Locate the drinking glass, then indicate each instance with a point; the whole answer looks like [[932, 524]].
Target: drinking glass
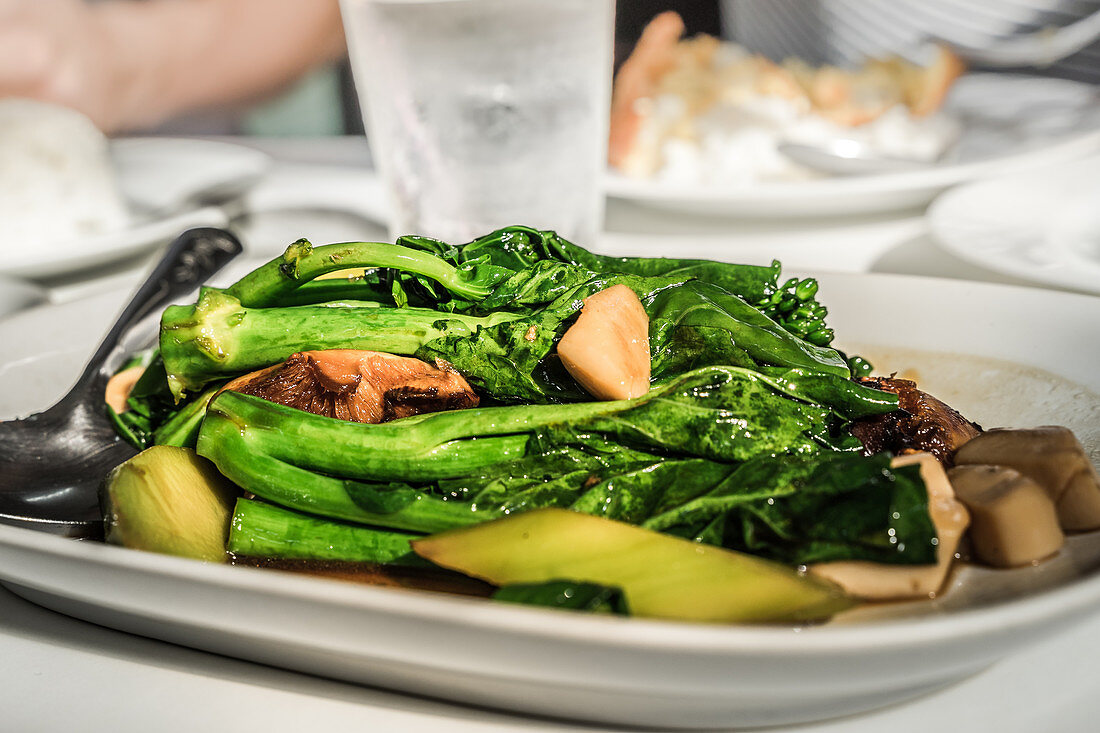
[[486, 113]]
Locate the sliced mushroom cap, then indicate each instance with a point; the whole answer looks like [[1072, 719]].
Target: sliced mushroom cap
[[1012, 519], [360, 386], [881, 582], [607, 349], [1051, 456]]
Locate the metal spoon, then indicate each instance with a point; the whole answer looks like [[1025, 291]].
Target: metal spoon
[[844, 157], [52, 462]]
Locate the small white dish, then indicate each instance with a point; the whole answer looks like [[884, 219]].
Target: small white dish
[[167, 184], [1009, 123], [1043, 226], [988, 350]]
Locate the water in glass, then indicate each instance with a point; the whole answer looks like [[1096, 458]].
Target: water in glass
[[484, 113]]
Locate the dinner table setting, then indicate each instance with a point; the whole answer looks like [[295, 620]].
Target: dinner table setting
[[955, 245]]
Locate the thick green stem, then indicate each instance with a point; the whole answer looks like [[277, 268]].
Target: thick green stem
[[722, 413], [278, 279], [182, 429], [218, 337], [328, 290], [231, 447], [421, 448], [259, 529]]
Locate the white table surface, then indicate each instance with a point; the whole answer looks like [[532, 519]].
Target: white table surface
[[59, 673]]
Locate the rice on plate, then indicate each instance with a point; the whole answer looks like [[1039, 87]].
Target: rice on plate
[[57, 181]]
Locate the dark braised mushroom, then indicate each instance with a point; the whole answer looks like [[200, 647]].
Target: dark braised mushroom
[[360, 386], [921, 424]]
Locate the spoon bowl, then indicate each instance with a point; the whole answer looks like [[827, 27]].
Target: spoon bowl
[[52, 462], [844, 157]]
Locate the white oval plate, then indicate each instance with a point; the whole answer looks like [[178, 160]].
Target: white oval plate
[[1043, 226], [981, 347], [1010, 123], [158, 177]]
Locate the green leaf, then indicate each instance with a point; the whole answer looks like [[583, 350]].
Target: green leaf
[[700, 305], [832, 506], [851, 400]]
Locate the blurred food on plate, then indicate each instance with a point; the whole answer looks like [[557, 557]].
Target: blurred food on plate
[[702, 110], [57, 181]]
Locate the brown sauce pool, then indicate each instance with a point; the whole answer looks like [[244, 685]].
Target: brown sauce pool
[[389, 576]]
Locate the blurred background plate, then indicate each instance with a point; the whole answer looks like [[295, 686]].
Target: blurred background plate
[[844, 32], [1010, 123], [1043, 226], [169, 184], [15, 295]]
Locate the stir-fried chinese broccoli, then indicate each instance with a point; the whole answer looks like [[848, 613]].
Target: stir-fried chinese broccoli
[[497, 325], [720, 455], [741, 442]]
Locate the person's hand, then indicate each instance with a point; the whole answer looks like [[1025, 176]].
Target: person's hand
[[62, 51], [130, 65]]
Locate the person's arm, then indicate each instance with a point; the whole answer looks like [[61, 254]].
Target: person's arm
[[129, 65]]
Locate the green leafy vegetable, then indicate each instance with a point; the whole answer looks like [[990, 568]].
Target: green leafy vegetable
[[742, 441], [152, 416], [502, 342], [518, 247], [723, 455], [830, 508], [269, 284], [218, 337]]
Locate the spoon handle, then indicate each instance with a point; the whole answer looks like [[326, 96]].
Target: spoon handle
[[189, 261]]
